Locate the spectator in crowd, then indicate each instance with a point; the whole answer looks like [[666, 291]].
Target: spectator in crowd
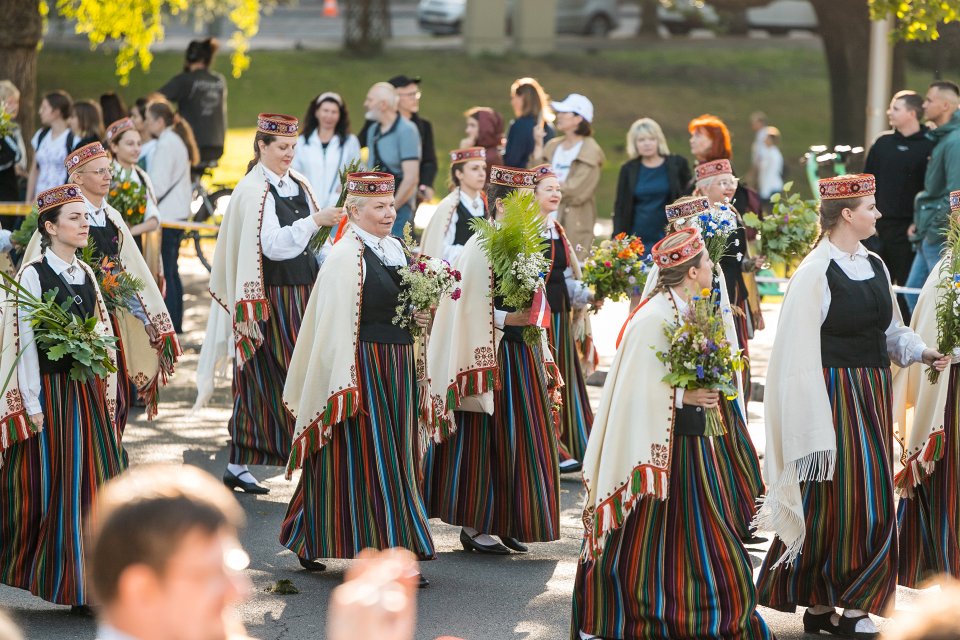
[[408, 103], [112, 107], [768, 161], [932, 206], [138, 113], [165, 561], [169, 170], [50, 143], [758, 123], [898, 159], [394, 145], [325, 146], [201, 97], [13, 152], [650, 180], [576, 159], [484, 129], [531, 112], [86, 122]]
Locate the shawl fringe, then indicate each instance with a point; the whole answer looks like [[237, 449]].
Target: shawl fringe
[[340, 406], [15, 428], [920, 465], [167, 354], [469, 383]]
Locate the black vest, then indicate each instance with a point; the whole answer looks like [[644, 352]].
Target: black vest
[[49, 281], [854, 332], [689, 421], [106, 239], [463, 230], [557, 295], [303, 268], [378, 306]]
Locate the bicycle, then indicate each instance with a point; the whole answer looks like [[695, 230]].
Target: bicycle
[[206, 207]]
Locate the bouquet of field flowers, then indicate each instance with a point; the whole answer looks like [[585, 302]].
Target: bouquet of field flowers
[[716, 224], [59, 333], [948, 297], [6, 121], [616, 269], [515, 247], [700, 357], [117, 287], [128, 197], [21, 235], [428, 280], [790, 231], [320, 237]]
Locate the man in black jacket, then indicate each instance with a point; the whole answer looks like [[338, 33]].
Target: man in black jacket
[[898, 159]]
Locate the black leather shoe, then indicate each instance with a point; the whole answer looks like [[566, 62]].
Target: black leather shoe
[[234, 482], [753, 539], [469, 544], [423, 583], [848, 628], [513, 543], [815, 623], [83, 610], [570, 466], [312, 565]]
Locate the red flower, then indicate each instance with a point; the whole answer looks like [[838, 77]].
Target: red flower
[[456, 294], [456, 276], [620, 236], [607, 264]]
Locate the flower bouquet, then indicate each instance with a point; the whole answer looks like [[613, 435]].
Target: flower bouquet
[[790, 231], [515, 247], [6, 121], [320, 237], [117, 287], [716, 225], [22, 235], [128, 197], [616, 269], [428, 280], [948, 297], [700, 357], [59, 333]]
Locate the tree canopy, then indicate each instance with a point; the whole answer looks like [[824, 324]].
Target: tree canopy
[[917, 19]]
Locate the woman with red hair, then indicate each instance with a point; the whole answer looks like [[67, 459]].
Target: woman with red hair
[[709, 139], [484, 129]]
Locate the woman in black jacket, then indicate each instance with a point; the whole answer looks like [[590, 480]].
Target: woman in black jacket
[[650, 180]]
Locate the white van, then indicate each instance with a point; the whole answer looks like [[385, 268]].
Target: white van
[[586, 17]]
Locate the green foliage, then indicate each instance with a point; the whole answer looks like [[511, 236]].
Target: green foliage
[[24, 233], [320, 237], [790, 231], [948, 297], [117, 287], [916, 19], [283, 587]]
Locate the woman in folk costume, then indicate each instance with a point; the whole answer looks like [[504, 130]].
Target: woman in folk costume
[[449, 228], [570, 334], [125, 143], [498, 473], [262, 276], [148, 348], [736, 454], [59, 442], [928, 514], [829, 424], [353, 387], [660, 557]]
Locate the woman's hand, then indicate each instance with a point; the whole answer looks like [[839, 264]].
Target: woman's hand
[[422, 318], [518, 318], [153, 335], [150, 224], [539, 134], [758, 323], [935, 359], [706, 398], [37, 420], [328, 217]]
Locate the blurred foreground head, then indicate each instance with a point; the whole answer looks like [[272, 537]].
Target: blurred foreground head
[[163, 555], [937, 616]]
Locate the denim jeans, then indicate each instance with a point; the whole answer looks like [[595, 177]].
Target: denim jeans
[[404, 215], [170, 253], [928, 254]]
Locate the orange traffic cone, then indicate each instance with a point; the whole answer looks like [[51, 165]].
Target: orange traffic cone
[[330, 9]]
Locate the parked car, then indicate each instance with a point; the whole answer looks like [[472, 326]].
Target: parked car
[[586, 17], [777, 18]]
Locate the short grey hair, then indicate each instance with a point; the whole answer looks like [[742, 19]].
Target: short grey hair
[[388, 93], [648, 128]]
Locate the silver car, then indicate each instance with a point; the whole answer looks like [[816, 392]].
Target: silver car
[[586, 17]]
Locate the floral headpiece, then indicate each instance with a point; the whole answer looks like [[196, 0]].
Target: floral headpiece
[[465, 155], [83, 155], [689, 247], [277, 124], [512, 177], [370, 184], [58, 196], [118, 127], [955, 202], [712, 168], [542, 172], [856, 185], [687, 207]]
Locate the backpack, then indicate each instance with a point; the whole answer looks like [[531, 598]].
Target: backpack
[[70, 141]]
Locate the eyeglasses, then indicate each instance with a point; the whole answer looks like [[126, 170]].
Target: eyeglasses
[[728, 183], [415, 94], [98, 172]]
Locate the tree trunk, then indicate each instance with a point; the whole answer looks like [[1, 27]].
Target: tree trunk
[[649, 20], [845, 30], [20, 32], [367, 26]]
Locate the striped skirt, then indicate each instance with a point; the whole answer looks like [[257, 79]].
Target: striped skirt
[[676, 568], [576, 416], [361, 489], [261, 428], [739, 467], [930, 519], [499, 474], [48, 484], [740, 323], [849, 555], [125, 389]]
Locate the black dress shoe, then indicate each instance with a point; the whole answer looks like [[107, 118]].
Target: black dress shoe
[[815, 623], [423, 583], [469, 544], [753, 539], [83, 610], [570, 466], [312, 565], [234, 482], [514, 544], [848, 628]]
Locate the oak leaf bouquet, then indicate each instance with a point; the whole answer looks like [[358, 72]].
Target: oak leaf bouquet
[[791, 229], [700, 357], [616, 269]]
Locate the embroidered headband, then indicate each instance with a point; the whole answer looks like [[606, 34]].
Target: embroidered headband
[[58, 196], [686, 245], [370, 184], [712, 168], [542, 172], [465, 155], [512, 177], [955, 202], [687, 207], [277, 124], [856, 185], [79, 157], [118, 127]]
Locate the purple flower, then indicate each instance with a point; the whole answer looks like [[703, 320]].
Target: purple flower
[[699, 372]]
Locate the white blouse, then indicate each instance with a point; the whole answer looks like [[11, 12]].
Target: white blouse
[[903, 345], [284, 243], [388, 249], [452, 251], [322, 166]]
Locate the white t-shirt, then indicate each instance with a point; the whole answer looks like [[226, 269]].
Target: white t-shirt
[[563, 159], [49, 158]]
